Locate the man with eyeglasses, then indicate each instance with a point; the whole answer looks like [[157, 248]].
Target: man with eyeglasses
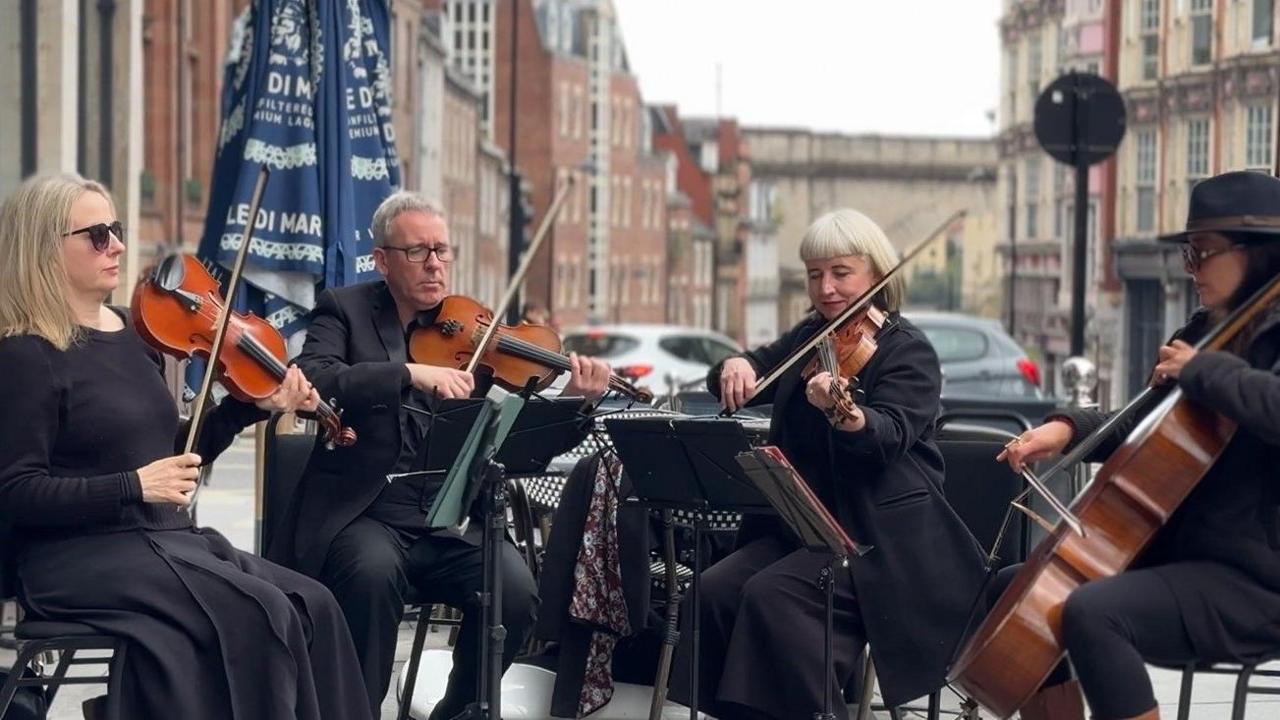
[[362, 536]]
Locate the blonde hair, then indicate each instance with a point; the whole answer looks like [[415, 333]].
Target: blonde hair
[[33, 277], [849, 232]]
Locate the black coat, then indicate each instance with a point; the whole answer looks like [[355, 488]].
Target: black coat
[[353, 336], [1220, 550], [916, 587]]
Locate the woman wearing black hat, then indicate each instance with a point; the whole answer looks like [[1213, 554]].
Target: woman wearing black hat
[[1208, 588]]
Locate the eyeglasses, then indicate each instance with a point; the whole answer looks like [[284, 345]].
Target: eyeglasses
[[1193, 258], [100, 234], [421, 253]]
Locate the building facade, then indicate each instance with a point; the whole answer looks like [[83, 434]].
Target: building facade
[[577, 116], [1200, 80], [907, 185], [1041, 40]]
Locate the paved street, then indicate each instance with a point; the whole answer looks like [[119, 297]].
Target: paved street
[[227, 504]]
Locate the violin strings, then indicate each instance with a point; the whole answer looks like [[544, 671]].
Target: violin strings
[[259, 352], [515, 346]]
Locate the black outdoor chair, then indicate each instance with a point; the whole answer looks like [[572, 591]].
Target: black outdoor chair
[[33, 637], [1245, 673]]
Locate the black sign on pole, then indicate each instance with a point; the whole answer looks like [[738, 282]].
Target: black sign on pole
[[1079, 121]]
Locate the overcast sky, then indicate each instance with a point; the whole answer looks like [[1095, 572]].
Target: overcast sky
[[886, 66]]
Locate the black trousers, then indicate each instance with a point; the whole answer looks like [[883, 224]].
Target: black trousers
[[1111, 628], [763, 617], [371, 566]]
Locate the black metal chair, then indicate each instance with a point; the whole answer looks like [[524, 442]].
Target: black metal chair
[[1245, 673], [979, 489], [33, 638]]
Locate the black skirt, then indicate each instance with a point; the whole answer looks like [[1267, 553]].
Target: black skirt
[[212, 632]]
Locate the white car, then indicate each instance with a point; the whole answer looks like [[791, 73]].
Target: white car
[[653, 356]]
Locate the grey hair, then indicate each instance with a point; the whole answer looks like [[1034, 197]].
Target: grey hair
[[391, 208], [849, 232]]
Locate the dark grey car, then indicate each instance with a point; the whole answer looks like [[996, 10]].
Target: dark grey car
[[978, 357]]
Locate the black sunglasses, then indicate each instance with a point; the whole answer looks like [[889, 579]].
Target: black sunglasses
[[1193, 257], [100, 234]]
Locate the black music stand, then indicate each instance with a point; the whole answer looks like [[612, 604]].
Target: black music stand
[[474, 470], [544, 429], [466, 440], [818, 531], [687, 465]]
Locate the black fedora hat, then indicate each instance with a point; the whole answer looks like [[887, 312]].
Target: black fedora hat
[[1243, 203]]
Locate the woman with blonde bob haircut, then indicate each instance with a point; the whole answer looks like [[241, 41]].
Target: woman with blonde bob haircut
[[91, 486], [879, 473]]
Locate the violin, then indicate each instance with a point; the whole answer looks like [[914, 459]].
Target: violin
[[844, 352], [176, 310], [520, 356]]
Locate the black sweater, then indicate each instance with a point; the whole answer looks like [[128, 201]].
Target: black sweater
[[76, 425]]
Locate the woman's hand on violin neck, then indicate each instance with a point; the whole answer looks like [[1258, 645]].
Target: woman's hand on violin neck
[[295, 393], [821, 392], [588, 377], [1036, 444], [818, 391], [1173, 357], [170, 480], [443, 382], [737, 383]]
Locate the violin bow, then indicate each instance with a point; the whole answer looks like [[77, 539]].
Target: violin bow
[[853, 308], [197, 417], [525, 261]]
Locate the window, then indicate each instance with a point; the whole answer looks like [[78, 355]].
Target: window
[[1257, 140], [683, 347], [1034, 65], [1201, 32], [578, 111], [1149, 28], [565, 104], [1197, 151], [955, 344], [1011, 82], [626, 202], [1032, 197], [1145, 180], [600, 344], [717, 351], [1263, 17]]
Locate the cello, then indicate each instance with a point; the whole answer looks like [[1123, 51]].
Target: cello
[[1132, 496]]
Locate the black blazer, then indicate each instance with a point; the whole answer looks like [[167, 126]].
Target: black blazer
[[353, 336], [916, 586]]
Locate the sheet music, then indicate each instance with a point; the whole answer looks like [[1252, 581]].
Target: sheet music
[[795, 501]]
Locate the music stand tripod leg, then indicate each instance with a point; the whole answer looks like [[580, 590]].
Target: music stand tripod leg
[[694, 690], [488, 705], [827, 581]]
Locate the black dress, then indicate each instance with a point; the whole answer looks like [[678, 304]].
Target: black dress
[[212, 632], [909, 597]]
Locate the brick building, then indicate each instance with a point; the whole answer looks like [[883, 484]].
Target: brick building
[[577, 114]]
